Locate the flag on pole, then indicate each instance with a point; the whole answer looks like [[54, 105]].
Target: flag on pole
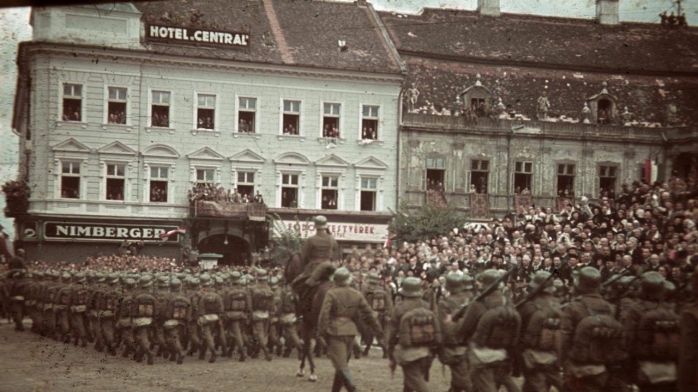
[[165, 236]]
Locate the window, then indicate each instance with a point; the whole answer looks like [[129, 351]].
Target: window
[[479, 175], [116, 105], [291, 117], [246, 184], [70, 180], [158, 184], [330, 120], [116, 177], [368, 194], [204, 176], [565, 180], [369, 122], [205, 111], [435, 174], [607, 179], [523, 174], [478, 106], [604, 113], [247, 110], [289, 190], [330, 192], [72, 102], [160, 109]]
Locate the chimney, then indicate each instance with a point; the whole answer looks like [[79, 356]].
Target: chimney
[[488, 7], [607, 12]]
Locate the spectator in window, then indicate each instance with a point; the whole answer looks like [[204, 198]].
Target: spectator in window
[[258, 198]]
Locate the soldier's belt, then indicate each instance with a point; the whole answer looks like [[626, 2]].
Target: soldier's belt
[[234, 315], [78, 308], [260, 315], [48, 306], [169, 324], [30, 302], [105, 313], [124, 323], [60, 307], [94, 313], [142, 321], [18, 298], [322, 260], [208, 319], [343, 318]]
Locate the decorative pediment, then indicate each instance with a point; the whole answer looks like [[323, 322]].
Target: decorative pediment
[[477, 89], [332, 160], [117, 148], [160, 151], [248, 156], [71, 145], [291, 158], [371, 163], [603, 94], [206, 153]]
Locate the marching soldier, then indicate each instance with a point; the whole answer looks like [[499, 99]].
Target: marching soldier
[[78, 307], [274, 338], [175, 317], [688, 355], [124, 319], [143, 312], [413, 332], [17, 289], [341, 311], [208, 311], [61, 307], [107, 307], [48, 297], [288, 321], [161, 294], [540, 336], [237, 304], [193, 328], [453, 352], [381, 304], [262, 303], [93, 303], [30, 301]]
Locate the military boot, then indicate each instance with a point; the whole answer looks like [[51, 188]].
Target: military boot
[[348, 381], [337, 383]]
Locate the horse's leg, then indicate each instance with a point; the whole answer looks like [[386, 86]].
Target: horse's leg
[[303, 352]]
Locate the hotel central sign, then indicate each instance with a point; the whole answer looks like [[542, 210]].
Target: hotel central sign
[[192, 36], [60, 231]]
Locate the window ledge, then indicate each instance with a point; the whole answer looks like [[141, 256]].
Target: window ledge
[[171, 131], [298, 137], [125, 127], [206, 131], [249, 134], [81, 124], [325, 140], [366, 142]]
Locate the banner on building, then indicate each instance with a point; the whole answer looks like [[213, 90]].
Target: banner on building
[[359, 232], [192, 36], [78, 232]]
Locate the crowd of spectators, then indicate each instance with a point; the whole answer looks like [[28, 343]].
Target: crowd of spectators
[[117, 117], [209, 192]]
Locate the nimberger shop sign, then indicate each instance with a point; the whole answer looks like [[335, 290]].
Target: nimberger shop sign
[[59, 231], [360, 232], [186, 35]]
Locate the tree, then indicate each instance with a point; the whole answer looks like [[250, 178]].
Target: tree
[[432, 220], [286, 241]]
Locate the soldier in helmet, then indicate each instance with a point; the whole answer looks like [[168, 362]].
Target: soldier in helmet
[[107, 307], [316, 250], [688, 355], [94, 297], [591, 339], [413, 353], [30, 301], [341, 310], [453, 351], [652, 336], [237, 304], [274, 333], [540, 335], [209, 310], [193, 328], [143, 312], [78, 307], [161, 294], [17, 291], [61, 307], [48, 299], [124, 319], [381, 303], [175, 317], [262, 304], [287, 317]]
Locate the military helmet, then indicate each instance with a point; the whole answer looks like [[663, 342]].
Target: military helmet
[[652, 285], [193, 282], [262, 275], [162, 282], [454, 282], [39, 274], [175, 284], [588, 280], [539, 278], [218, 281], [488, 277], [80, 277], [320, 222], [112, 279], [206, 280], [342, 277], [129, 284], [274, 281], [411, 288], [100, 277], [145, 282], [467, 282], [66, 277], [373, 278], [669, 288]]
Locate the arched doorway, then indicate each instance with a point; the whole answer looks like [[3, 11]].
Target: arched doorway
[[235, 250]]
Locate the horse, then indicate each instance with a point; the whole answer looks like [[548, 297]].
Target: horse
[[294, 267]]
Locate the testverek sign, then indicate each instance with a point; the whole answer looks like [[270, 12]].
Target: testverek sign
[[60, 231], [187, 35], [360, 232]]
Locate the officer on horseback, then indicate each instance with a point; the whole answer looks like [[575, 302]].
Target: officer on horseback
[[317, 250]]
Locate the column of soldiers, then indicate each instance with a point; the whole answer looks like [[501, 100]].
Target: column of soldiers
[[162, 315]]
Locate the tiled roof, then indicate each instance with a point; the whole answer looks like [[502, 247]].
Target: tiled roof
[[552, 41], [440, 81], [303, 33]]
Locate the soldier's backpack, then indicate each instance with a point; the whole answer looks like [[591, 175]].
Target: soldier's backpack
[[109, 303], [210, 303], [288, 302], [378, 299], [145, 310], [177, 311], [64, 295], [263, 300], [658, 335], [598, 338], [498, 328], [543, 331], [419, 327], [236, 301]]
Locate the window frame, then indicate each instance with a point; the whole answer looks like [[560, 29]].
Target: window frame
[[479, 169], [616, 168], [150, 168], [61, 101], [363, 189], [377, 119], [529, 173], [282, 112], [239, 109], [170, 109], [338, 178], [338, 116], [108, 176], [296, 186], [573, 175], [126, 106], [216, 111], [74, 162]]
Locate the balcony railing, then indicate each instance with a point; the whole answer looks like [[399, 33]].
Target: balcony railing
[[212, 209], [548, 128]]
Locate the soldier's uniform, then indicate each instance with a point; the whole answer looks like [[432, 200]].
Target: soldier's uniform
[[381, 303], [142, 315], [106, 308], [287, 318], [193, 328], [274, 332], [161, 294], [61, 307], [540, 334], [316, 250], [237, 304], [124, 319], [415, 360], [208, 313], [175, 316], [262, 303], [340, 312], [17, 291], [688, 354], [94, 299], [78, 307], [49, 315], [453, 353]]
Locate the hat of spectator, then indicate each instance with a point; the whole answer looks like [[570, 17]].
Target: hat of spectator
[[539, 278], [341, 277], [320, 222], [262, 275], [454, 283], [652, 285], [588, 280], [411, 288]]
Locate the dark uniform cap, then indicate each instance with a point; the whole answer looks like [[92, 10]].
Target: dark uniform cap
[[175, 284], [589, 279], [652, 285], [488, 277], [454, 282], [539, 278], [342, 277], [411, 288]]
